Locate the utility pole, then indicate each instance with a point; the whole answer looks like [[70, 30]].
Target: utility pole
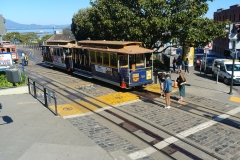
[[234, 30], [234, 57]]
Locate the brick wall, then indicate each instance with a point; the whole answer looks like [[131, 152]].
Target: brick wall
[[232, 14]]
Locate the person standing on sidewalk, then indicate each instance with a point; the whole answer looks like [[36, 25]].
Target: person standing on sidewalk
[[161, 77], [186, 62], [174, 64], [179, 64], [167, 89], [181, 80]]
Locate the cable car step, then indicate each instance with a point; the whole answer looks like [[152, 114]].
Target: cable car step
[[84, 75]]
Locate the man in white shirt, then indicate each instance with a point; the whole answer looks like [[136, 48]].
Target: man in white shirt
[[22, 58]]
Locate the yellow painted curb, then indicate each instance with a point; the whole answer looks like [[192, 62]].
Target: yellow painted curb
[[235, 99]]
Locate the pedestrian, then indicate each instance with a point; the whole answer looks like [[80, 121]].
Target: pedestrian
[[26, 60], [179, 63], [161, 78], [186, 66], [167, 89], [181, 80], [174, 64], [22, 58]]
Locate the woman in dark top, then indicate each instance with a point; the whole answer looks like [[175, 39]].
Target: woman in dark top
[[181, 80]]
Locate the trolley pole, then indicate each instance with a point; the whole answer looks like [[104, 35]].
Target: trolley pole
[[234, 57]]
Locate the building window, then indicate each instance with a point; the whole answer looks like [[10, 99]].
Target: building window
[[234, 17], [220, 18], [230, 18], [239, 16]]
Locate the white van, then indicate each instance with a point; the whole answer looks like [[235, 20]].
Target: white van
[[225, 70]]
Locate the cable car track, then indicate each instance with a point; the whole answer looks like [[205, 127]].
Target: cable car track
[[146, 95]]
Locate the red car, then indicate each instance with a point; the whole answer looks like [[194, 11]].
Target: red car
[[197, 59]]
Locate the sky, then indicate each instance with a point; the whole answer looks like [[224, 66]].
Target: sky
[[60, 12]]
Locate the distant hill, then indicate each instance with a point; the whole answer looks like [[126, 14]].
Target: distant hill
[[13, 25]]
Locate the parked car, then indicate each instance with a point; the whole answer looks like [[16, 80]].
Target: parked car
[[209, 63], [225, 70], [197, 60]]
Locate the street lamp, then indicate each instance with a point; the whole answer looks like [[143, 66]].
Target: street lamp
[[53, 29]]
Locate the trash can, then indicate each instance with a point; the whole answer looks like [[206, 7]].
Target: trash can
[[13, 75]]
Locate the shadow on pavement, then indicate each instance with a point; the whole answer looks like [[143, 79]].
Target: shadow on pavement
[[6, 119]]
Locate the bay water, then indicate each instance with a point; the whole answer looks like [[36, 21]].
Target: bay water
[[39, 31]]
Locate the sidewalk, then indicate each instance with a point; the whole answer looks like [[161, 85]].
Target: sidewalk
[[204, 85], [30, 131]]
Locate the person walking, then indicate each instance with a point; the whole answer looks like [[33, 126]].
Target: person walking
[[181, 80], [22, 58], [174, 64], [186, 62], [179, 64], [161, 78], [167, 89], [26, 60]]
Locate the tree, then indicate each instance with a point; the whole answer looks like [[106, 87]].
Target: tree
[[68, 33], [13, 37], [81, 26], [148, 22], [45, 37]]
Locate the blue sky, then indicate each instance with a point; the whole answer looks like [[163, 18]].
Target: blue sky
[[60, 12]]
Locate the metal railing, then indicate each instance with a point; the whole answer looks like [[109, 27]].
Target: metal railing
[[43, 94]]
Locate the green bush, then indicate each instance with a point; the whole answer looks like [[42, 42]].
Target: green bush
[[5, 83]]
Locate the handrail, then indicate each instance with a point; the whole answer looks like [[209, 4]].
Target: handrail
[[48, 94]]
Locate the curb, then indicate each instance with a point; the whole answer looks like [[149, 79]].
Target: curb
[[15, 90]]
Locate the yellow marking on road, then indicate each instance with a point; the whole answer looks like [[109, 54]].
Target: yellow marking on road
[[116, 98], [69, 109], [26, 102], [156, 88], [235, 99]]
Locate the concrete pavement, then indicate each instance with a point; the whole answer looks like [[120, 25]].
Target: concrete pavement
[[30, 131]]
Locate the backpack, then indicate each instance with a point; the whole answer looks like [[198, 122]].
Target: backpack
[[179, 62]]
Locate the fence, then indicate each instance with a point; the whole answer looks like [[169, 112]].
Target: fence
[[43, 94]]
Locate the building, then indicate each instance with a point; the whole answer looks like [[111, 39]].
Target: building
[[221, 45]]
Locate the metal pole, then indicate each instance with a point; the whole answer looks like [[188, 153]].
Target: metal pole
[[200, 66], [217, 74], [205, 63], [234, 57], [55, 101], [45, 97]]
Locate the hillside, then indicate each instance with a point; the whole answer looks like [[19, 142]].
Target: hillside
[[13, 25]]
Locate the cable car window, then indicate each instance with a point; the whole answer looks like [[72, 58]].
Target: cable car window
[[93, 58], [99, 57], [8, 49], [113, 59], [139, 58], [123, 60], [86, 57], [106, 59], [13, 49]]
